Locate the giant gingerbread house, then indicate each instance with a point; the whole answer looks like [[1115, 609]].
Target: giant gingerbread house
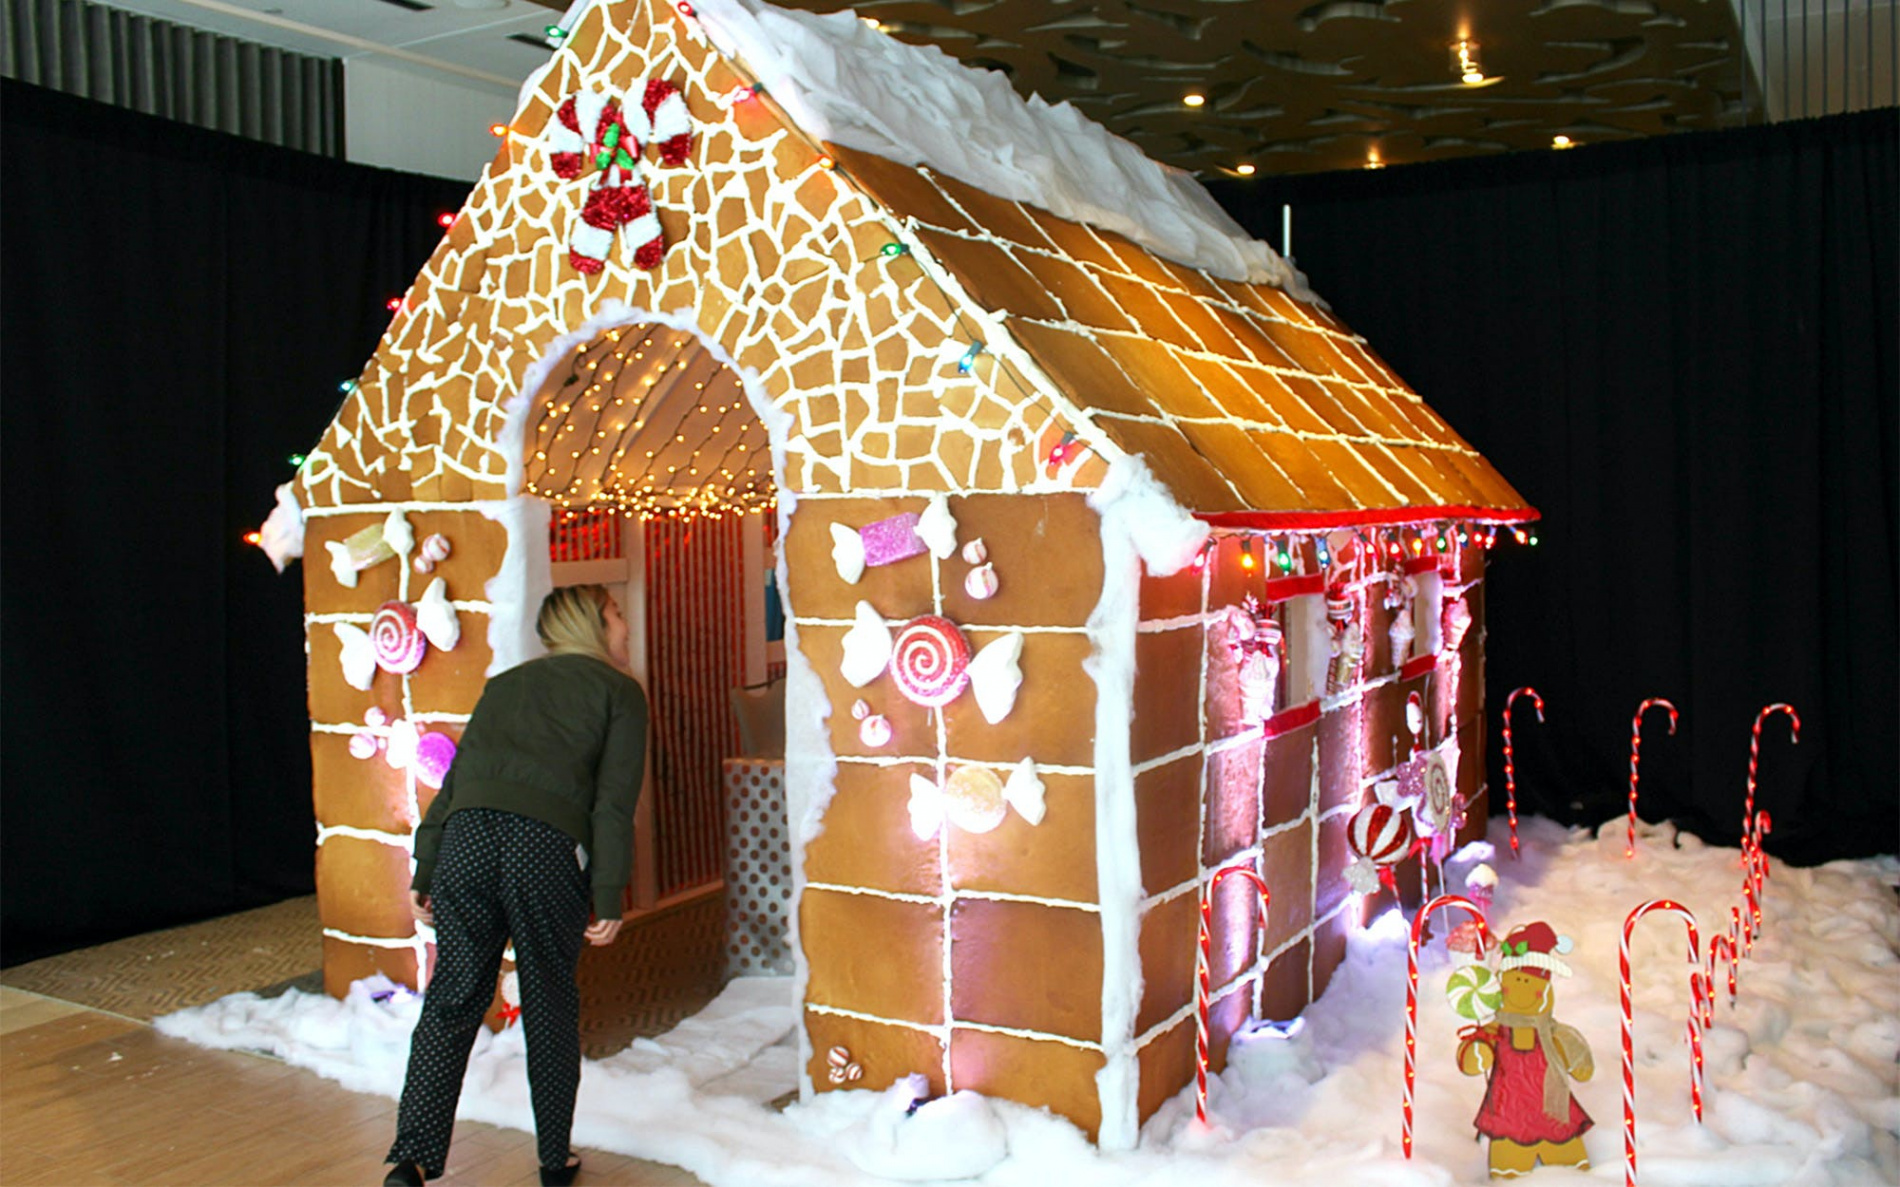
[[1109, 557]]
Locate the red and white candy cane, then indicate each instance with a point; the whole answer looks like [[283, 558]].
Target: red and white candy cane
[[1754, 759], [1510, 766], [1629, 1047], [1636, 750], [1411, 990], [1754, 876], [1202, 989], [603, 135], [1723, 946]]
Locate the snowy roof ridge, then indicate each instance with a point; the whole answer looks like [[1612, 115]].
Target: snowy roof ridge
[[842, 81]]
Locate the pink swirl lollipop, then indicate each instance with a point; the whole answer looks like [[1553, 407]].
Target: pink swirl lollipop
[[929, 659], [399, 644]]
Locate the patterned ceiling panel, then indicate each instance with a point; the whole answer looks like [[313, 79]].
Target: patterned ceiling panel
[[1299, 87]]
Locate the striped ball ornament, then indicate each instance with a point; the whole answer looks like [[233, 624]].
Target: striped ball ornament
[[1380, 833]]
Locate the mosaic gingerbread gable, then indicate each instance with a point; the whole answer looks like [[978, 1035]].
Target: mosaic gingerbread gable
[[985, 428]]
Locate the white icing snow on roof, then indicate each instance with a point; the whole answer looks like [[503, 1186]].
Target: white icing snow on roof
[[845, 82]]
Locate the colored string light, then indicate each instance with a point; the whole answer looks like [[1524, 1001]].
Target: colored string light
[[554, 33], [1246, 554], [1202, 976], [347, 386], [445, 220], [1636, 750], [297, 460], [1510, 766], [892, 250], [968, 361]]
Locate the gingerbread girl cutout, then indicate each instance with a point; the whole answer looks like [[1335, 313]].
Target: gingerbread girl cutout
[[1528, 1057]]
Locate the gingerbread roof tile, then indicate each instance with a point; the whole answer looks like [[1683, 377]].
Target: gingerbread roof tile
[[1252, 404]]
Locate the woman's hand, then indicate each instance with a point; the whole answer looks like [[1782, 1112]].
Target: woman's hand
[[422, 908], [601, 932]]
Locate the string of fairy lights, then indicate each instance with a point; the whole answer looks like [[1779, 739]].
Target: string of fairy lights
[[625, 398]]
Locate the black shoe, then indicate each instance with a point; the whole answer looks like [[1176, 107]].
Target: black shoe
[[561, 1176], [406, 1174]]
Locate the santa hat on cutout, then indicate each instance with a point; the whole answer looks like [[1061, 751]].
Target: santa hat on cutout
[[1535, 947]]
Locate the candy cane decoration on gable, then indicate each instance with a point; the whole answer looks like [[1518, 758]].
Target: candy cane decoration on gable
[[1411, 987], [1636, 750], [1510, 767], [1201, 976], [1754, 759], [1696, 994], [599, 134]]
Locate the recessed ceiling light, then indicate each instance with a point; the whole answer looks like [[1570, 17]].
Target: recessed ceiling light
[[1245, 169], [1193, 99], [1561, 141], [1464, 60]]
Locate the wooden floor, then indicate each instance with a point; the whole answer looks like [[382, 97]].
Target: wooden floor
[[89, 1097]]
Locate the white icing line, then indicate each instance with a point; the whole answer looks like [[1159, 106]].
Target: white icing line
[[1150, 626], [881, 760], [950, 897], [399, 840], [1188, 751], [940, 1031], [847, 623], [373, 941]]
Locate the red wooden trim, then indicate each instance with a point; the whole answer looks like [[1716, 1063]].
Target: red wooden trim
[[1422, 564], [1279, 589], [1362, 517], [1288, 720], [1418, 665]]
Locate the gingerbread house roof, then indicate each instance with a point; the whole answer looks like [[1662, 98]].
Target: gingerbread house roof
[[1252, 403]]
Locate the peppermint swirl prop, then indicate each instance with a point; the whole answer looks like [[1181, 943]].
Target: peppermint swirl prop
[[928, 661], [1510, 766], [1629, 1047], [1636, 750], [1380, 836], [1443, 901], [398, 641], [1202, 986], [600, 136]]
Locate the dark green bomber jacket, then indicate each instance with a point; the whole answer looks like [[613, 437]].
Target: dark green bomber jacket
[[561, 739]]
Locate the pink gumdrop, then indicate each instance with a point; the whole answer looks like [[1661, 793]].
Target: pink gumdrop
[[434, 753], [362, 745], [980, 582]]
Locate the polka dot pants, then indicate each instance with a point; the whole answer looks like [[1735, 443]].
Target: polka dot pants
[[498, 875]]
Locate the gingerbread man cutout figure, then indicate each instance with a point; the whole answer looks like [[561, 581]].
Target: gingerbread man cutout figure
[[1528, 1058]]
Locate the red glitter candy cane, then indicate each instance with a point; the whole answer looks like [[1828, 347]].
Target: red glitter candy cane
[[1696, 992], [1411, 988], [1510, 767], [1636, 750], [1754, 759], [1201, 977]]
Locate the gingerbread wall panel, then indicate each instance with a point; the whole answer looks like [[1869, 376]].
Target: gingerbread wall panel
[[1027, 966], [1040, 1073], [1283, 985], [867, 840], [882, 1053], [1166, 1063], [346, 962], [1167, 688], [1233, 801], [1286, 861], [1168, 823], [1053, 720], [1168, 942], [354, 877], [353, 792], [1288, 780], [873, 955], [1054, 859]]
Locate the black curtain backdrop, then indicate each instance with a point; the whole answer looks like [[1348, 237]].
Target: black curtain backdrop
[[177, 308], [1682, 351]]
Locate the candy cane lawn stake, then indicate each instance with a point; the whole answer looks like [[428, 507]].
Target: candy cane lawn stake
[[1754, 758], [1722, 946], [1510, 768], [1201, 976], [1636, 750], [1754, 875], [1629, 1047], [1411, 987]]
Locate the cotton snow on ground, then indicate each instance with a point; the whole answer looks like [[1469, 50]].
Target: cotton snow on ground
[[1801, 1074]]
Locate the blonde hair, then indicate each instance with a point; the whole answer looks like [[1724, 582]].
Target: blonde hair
[[573, 621]]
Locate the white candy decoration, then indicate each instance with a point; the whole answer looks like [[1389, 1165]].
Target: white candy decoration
[[995, 675], [847, 553], [281, 537], [403, 737], [938, 528], [342, 565], [397, 533], [976, 552], [362, 744], [1024, 792], [875, 730], [435, 617], [359, 654], [926, 807], [867, 647], [375, 716], [980, 582], [436, 547]]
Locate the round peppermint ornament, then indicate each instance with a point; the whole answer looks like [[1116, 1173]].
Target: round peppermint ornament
[[398, 642], [1378, 835], [929, 661], [1474, 993]]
